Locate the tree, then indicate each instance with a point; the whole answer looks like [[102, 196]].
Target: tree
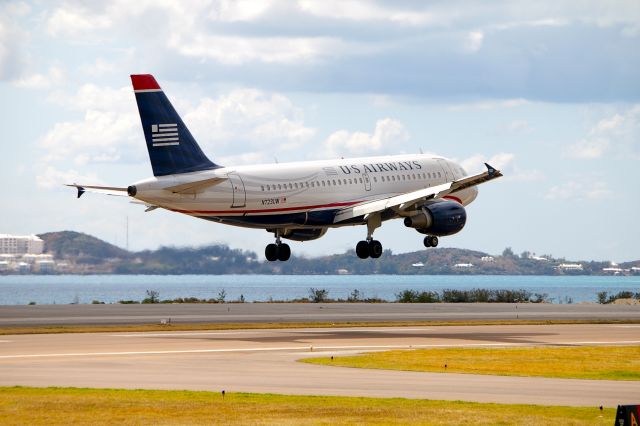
[[508, 252], [318, 295], [153, 296]]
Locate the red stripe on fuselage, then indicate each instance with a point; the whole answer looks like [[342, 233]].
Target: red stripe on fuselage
[[283, 209]]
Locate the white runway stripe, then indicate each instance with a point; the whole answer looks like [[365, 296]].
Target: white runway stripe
[[308, 348]]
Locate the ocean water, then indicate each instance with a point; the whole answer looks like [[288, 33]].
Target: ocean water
[[64, 289]]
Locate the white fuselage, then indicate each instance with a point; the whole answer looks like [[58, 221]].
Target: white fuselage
[[303, 194]]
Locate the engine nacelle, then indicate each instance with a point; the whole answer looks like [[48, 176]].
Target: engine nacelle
[[303, 234], [440, 218]]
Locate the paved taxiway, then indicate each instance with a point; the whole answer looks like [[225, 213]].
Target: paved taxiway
[[304, 312], [265, 361]]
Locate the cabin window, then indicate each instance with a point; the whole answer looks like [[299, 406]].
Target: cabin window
[[344, 181], [262, 187], [360, 180], [323, 183], [375, 179], [350, 181], [439, 175]]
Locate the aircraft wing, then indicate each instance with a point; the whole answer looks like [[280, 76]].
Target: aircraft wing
[[109, 190], [405, 201]]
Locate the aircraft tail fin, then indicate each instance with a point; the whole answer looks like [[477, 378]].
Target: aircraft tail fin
[[172, 149]]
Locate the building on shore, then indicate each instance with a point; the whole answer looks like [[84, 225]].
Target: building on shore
[[21, 244]]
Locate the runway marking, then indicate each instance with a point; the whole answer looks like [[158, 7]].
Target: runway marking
[[296, 331], [5, 341], [309, 348]]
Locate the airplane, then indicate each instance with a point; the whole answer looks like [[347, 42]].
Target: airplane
[[298, 201]]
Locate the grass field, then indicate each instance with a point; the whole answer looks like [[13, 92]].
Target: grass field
[[51, 406], [578, 362], [246, 326]]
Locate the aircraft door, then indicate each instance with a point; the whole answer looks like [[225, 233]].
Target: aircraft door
[[239, 192], [444, 165], [366, 181]]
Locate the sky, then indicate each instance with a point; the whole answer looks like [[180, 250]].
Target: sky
[[546, 91]]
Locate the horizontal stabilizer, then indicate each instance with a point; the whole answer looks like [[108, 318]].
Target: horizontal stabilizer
[[194, 186], [109, 190]]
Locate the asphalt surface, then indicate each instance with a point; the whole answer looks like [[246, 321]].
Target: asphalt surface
[[265, 361], [115, 314]]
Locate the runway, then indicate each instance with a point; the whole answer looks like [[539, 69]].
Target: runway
[[117, 314], [265, 361]]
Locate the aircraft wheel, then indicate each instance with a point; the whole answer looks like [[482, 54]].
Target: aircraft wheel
[[375, 249], [430, 241], [271, 252], [284, 252], [362, 249]]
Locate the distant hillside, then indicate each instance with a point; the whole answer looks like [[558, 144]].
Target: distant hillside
[[86, 254], [81, 248], [214, 259]]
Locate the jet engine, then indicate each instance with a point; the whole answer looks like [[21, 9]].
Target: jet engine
[[303, 234], [439, 218]]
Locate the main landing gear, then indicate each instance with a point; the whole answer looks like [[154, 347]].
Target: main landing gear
[[430, 241], [278, 251], [370, 247]]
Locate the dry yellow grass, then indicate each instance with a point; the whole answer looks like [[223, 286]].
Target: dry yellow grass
[[52, 406], [580, 362], [248, 326]]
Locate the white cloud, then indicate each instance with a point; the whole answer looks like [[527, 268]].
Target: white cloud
[[620, 131], [73, 20], [239, 10], [387, 135], [40, 81], [99, 67], [474, 41], [51, 177], [242, 126], [108, 131], [519, 126], [579, 190], [12, 40], [489, 105], [475, 163], [248, 120], [233, 50], [356, 10]]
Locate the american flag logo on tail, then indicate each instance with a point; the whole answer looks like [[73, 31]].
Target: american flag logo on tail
[[164, 134]]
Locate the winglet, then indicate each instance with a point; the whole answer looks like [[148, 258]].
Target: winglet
[[81, 191], [492, 171]]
